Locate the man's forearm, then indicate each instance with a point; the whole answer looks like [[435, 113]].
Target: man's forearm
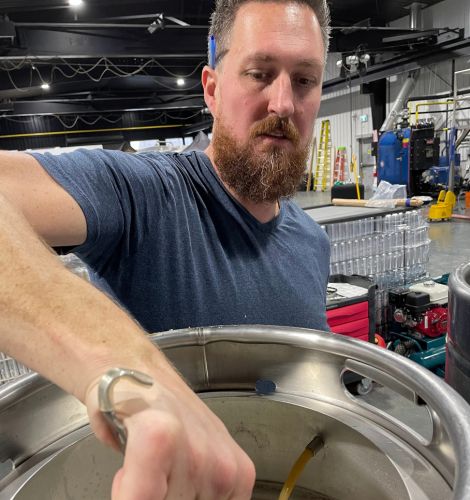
[[55, 322], [59, 325]]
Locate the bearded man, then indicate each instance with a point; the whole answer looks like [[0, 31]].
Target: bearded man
[[178, 240], [212, 238]]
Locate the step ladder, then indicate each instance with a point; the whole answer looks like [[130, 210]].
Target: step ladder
[[322, 170], [309, 185], [340, 165]]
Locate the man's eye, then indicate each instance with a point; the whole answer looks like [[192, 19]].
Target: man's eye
[[306, 82], [259, 76]]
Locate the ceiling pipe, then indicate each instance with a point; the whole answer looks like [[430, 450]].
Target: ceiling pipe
[[416, 15], [412, 78], [399, 104]]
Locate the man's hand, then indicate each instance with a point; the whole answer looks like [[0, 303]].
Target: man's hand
[[176, 447]]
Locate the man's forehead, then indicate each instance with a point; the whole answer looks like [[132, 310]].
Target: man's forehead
[[261, 15], [263, 26], [266, 58]]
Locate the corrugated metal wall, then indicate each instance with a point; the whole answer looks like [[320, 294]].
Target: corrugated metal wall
[[449, 13], [352, 105], [344, 108]]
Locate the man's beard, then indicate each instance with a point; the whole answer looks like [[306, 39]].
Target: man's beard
[[260, 175]]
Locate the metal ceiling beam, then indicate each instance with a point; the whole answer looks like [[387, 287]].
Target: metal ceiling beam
[[16, 55], [93, 26], [114, 85], [198, 127], [48, 43], [385, 39], [39, 108]]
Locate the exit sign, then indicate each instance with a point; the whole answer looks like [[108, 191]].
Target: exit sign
[[364, 118]]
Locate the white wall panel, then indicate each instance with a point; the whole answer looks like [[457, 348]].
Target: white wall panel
[[450, 13], [336, 107]]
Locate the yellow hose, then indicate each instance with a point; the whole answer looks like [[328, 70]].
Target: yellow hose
[[294, 474], [312, 448]]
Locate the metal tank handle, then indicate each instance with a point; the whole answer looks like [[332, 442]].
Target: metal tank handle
[[384, 379]]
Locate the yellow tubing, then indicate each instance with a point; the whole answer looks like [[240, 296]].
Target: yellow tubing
[[294, 474], [315, 445]]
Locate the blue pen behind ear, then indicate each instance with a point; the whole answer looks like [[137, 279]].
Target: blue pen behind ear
[[212, 50]]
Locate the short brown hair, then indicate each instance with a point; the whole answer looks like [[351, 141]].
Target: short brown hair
[[223, 17]]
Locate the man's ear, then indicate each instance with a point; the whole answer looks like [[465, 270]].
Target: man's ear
[[209, 84]]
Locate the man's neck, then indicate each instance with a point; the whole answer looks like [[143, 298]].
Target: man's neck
[[263, 212]]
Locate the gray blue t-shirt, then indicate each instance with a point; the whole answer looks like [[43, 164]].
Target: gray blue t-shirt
[[168, 241]]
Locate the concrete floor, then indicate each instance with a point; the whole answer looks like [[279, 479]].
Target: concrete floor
[[450, 247]]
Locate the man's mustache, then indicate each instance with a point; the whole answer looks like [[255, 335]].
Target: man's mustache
[[274, 124]]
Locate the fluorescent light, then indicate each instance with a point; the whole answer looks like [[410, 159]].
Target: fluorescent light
[[75, 3], [45, 86], [180, 82]]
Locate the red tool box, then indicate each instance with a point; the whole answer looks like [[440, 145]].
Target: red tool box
[[350, 306]]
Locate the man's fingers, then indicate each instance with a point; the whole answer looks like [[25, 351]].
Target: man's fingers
[[164, 460], [150, 457]]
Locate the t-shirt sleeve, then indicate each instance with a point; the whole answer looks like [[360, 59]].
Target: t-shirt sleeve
[[113, 189]]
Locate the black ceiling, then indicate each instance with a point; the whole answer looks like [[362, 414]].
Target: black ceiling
[[105, 66], [344, 12]]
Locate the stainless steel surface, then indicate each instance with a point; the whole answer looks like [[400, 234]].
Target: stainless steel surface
[[458, 344], [33, 414], [368, 453]]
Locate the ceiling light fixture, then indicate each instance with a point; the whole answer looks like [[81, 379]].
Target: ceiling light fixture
[[45, 86], [180, 82], [75, 3]]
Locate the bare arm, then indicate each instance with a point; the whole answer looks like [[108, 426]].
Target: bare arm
[[61, 326], [50, 210]]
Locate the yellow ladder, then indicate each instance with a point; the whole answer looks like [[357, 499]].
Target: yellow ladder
[[310, 166], [322, 171]]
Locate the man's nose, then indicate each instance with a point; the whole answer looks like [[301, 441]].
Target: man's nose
[[281, 97]]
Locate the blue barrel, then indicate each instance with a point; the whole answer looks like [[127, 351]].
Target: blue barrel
[[458, 341], [393, 157]]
